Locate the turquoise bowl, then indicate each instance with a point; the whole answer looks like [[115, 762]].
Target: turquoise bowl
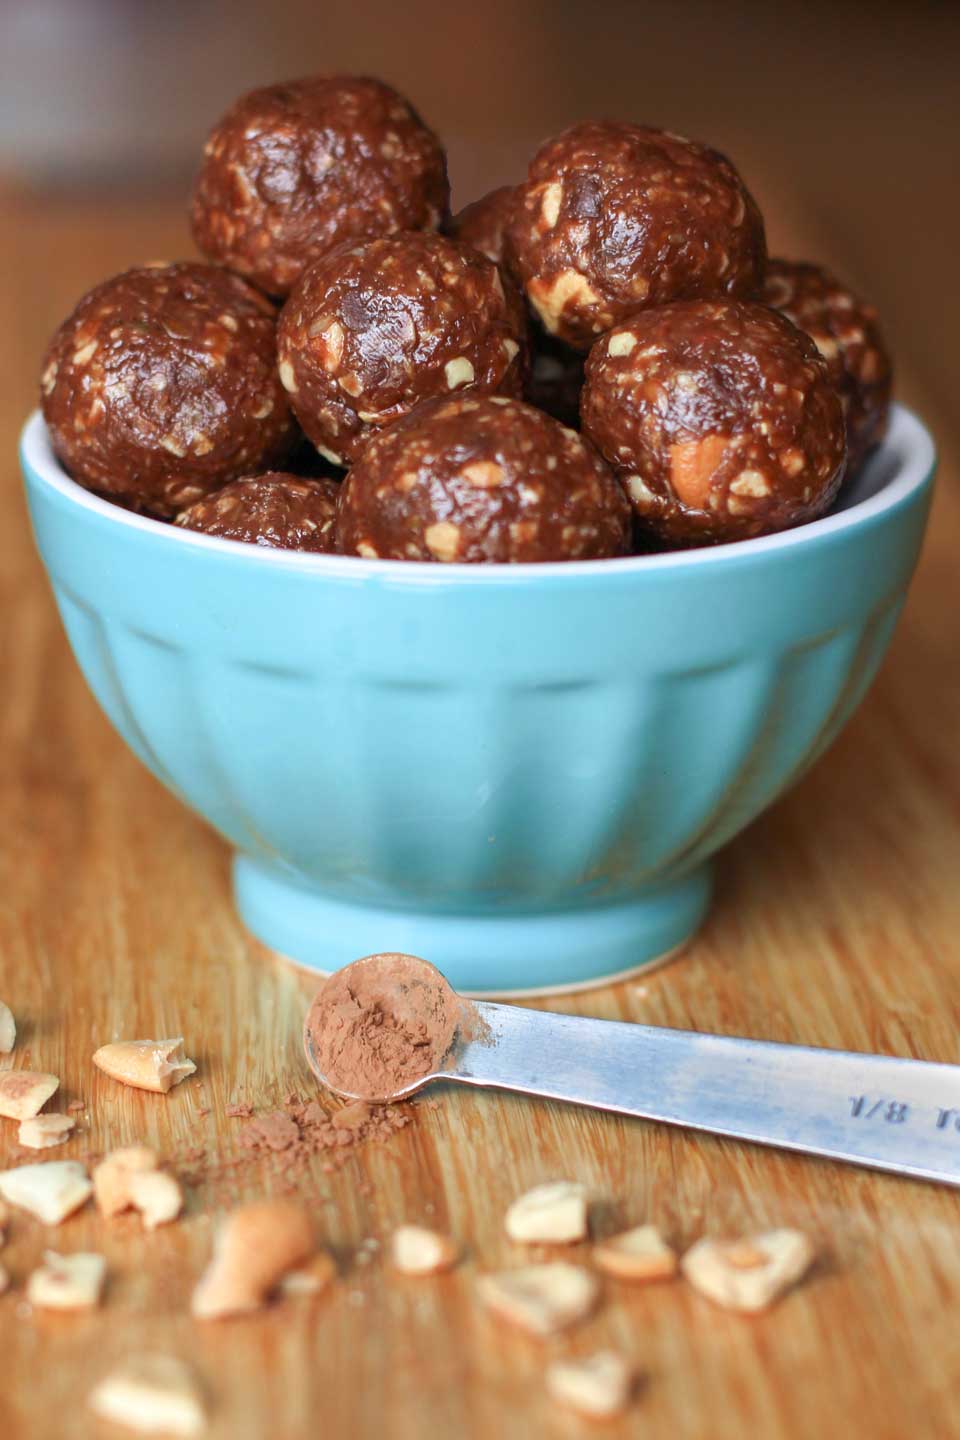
[[518, 772]]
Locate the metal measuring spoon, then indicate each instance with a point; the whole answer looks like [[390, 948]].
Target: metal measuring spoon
[[875, 1110]]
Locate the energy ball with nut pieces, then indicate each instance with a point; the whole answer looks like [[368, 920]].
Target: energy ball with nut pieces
[[720, 419], [162, 386], [615, 218], [480, 479], [372, 330], [277, 510], [483, 223], [293, 170], [846, 332]]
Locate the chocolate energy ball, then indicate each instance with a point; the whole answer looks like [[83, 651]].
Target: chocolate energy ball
[[281, 511], [720, 419], [556, 378], [372, 330], [846, 332], [615, 218], [481, 479], [293, 170], [483, 223], [162, 386]]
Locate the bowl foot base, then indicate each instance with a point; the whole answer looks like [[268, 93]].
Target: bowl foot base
[[509, 955]]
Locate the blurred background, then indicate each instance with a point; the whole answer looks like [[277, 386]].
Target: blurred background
[[843, 117]]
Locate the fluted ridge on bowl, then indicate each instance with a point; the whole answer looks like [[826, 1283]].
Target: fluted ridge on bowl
[[468, 797]]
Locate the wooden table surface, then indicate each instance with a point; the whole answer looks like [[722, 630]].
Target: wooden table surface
[[837, 924]]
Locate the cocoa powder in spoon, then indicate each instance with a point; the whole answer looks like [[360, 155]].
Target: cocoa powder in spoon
[[382, 1024]]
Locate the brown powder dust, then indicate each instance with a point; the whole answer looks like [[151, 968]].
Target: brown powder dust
[[383, 1024], [305, 1130]]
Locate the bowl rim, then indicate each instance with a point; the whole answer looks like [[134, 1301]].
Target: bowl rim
[[906, 430]]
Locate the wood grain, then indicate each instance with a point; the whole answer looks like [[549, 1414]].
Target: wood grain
[[836, 924]]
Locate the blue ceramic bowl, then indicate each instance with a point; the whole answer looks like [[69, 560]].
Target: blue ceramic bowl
[[518, 772]]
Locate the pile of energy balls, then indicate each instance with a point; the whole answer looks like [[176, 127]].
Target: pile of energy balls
[[595, 362]]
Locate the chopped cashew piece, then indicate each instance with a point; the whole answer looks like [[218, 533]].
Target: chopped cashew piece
[[41, 1132], [67, 1282], [51, 1190], [638, 1254], [130, 1178], [541, 1298], [458, 372], [23, 1093], [554, 1214], [154, 1394], [310, 1279], [418, 1251], [8, 1029], [597, 1386], [256, 1246], [111, 1178], [157, 1196], [748, 1274], [146, 1064]]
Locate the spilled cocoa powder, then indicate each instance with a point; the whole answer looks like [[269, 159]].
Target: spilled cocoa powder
[[382, 1024], [293, 1138], [304, 1130]]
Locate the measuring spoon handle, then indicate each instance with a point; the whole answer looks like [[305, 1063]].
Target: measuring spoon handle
[[875, 1110]]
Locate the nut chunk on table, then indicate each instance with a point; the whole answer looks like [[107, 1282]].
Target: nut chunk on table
[[541, 1299], [67, 1282], [551, 1214], [23, 1093], [145, 1064], [152, 1394], [8, 1029], [748, 1274], [596, 1386], [51, 1190]]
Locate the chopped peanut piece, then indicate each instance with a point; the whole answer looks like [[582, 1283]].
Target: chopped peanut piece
[[155, 1394], [4, 1220], [554, 1214], [157, 1196], [638, 1254], [257, 1245], [23, 1093], [748, 1274], [4, 1280], [541, 1298], [310, 1279], [41, 1132], [8, 1029], [67, 1282], [597, 1386], [51, 1190], [146, 1064], [418, 1251]]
